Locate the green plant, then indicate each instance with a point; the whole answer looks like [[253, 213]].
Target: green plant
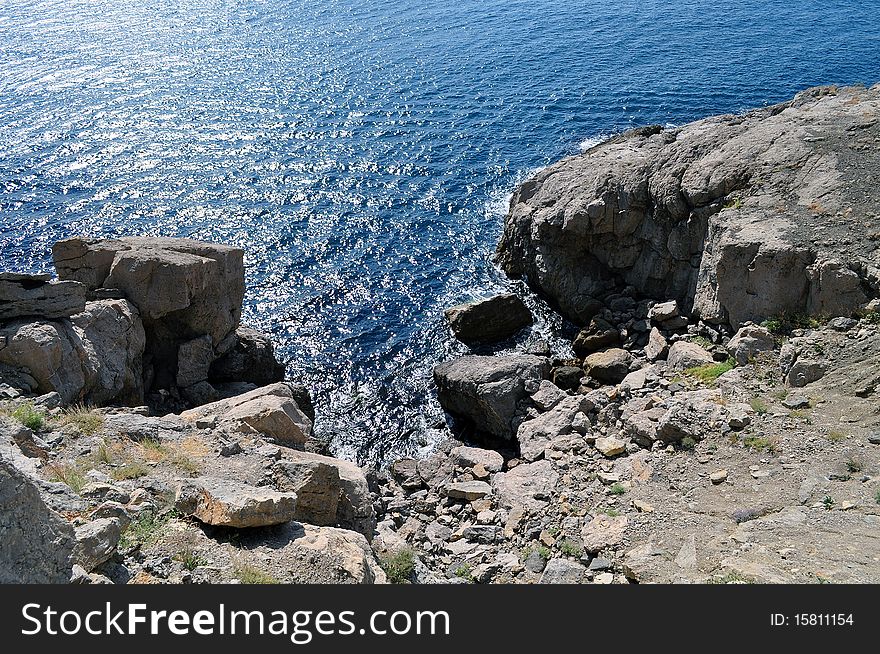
[[612, 513], [571, 548], [83, 418], [190, 558], [399, 566], [145, 530], [702, 341], [132, 470], [687, 443], [67, 473], [618, 489], [542, 551], [733, 203], [759, 406], [760, 443], [801, 414], [835, 435], [828, 502], [877, 497], [464, 571], [854, 464], [104, 453], [732, 577], [28, 416], [786, 323], [709, 373], [249, 574]]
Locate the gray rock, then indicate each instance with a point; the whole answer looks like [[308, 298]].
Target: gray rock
[[657, 347], [796, 401], [489, 391], [568, 377], [96, 542], [36, 296], [691, 214], [600, 334], [468, 490], [227, 503], [664, 311], [468, 457], [251, 359], [527, 486], [748, 341], [610, 366], [562, 571], [269, 410], [194, 358], [805, 371], [490, 319], [548, 395], [354, 509], [317, 487], [684, 355], [37, 543]]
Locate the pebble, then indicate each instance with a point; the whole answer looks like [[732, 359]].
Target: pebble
[[718, 476]]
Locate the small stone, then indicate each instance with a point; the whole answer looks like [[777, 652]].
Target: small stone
[[664, 311], [610, 446], [796, 401], [468, 490], [718, 477], [599, 565], [642, 507]]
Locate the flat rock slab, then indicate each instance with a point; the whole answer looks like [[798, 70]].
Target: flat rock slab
[[468, 490], [227, 503], [527, 486], [34, 296]]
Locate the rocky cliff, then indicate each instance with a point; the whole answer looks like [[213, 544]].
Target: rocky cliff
[[737, 217]]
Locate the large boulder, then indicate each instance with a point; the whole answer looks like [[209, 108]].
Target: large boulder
[[269, 410], [527, 486], [610, 366], [729, 215], [329, 491], [225, 502], [598, 335], [36, 544], [489, 391], [94, 356], [38, 296], [684, 354], [184, 290], [490, 319], [748, 342]]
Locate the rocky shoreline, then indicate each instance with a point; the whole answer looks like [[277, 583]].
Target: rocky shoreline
[[715, 421]]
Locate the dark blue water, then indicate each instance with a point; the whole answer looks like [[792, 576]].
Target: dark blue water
[[361, 151]]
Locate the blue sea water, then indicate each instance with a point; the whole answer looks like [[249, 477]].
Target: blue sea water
[[362, 151]]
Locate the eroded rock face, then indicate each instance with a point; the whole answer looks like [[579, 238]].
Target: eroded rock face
[[37, 295], [489, 391], [184, 290], [94, 357], [37, 544], [251, 359], [729, 215]]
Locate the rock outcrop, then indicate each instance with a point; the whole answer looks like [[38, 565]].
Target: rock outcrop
[[737, 217]]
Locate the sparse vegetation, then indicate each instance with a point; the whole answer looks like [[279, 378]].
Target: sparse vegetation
[[744, 515], [786, 323], [877, 497], [854, 464], [733, 203], [835, 435], [29, 416], [542, 551], [759, 406], [145, 530], [710, 373], [249, 574], [190, 558], [828, 502], [732, 577], [68, 473], [83, 419], [571, 548], [687, 443], [399, 566], [464, 571], [760, 443], [132, 470], [617, 489], [613, 513]]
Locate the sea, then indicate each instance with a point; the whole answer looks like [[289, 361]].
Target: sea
[[363, 152]]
